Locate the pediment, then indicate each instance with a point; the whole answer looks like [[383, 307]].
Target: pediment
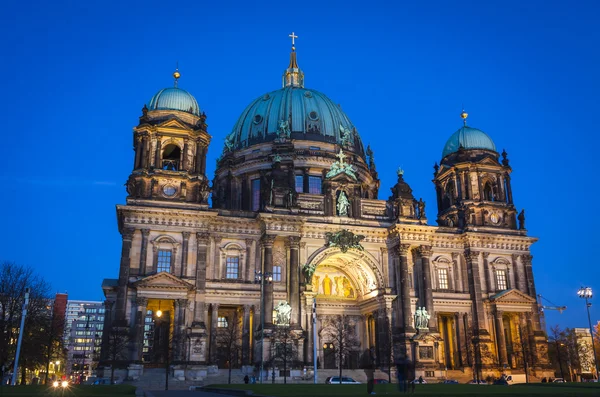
[[488, 161], [174, 123], [163, 280], [342, 177], [512, 296]]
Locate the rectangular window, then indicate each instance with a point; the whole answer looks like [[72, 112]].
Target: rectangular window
[[299, 184], [232, 267], [314, 184], [222, 322], [255, 194], [276, 273], [164, 261], [442, 278], [501, 280]]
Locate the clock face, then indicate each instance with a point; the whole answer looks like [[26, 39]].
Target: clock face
[[169, 190], [494, 217]]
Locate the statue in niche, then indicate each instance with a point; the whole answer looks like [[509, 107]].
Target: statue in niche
[[421, 207], [204, 191], [315, 283], [327, 285], [284, 313], [521, 219], [422, 318], [343, 204], [290, 198]]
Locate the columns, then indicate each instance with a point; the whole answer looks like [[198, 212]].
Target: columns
[[519, 284], [308, 358], [488, 277], [201, 256], [216, 258], [144, 252], [388, 270], [267, 244], [406, 315], [184, 254], [246, 336], [425, 253], [475, 288], [127, 234], [294, 291], [529, 275], [213, 332], [179, 327], [460, 340], [500, 339], [508, 189], [458, 279], [140, 317], [157, 160], [249, 276], [138, 152], [185, 165]]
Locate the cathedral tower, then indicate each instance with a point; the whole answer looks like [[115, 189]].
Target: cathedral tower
[[170, 145], [472, 185]]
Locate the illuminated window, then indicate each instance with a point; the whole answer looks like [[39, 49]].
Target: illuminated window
[[232, 267], [164, 261], [299, 184], [501, 280], [314, 184], [255, 194], [442, 278], [222, 322], [276, 273]]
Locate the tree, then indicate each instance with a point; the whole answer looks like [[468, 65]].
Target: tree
[[14, 279], [284, 348], [117, 346], [341, 331], [229, 343]]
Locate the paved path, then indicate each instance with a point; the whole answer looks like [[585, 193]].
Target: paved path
[[182, 393]]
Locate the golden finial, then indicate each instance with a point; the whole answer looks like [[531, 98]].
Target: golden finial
[[464, 116], [176, 74]]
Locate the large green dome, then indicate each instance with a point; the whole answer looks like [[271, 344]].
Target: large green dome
[[468, 138], [310, 114], [174, 98]]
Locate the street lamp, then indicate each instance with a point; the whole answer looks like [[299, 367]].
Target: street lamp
[[586, 293], [262, 278]]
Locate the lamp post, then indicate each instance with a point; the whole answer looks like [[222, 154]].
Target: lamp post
[[188, 333], [262, 277], [586, 293]]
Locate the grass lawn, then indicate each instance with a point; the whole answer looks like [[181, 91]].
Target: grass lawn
[[71, 391], [547, 389]]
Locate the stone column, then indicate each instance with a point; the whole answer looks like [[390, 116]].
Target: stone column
[[184, 254], [140, 317], [185, 165], [157, 161], [488, 277], [500, 340], [267, 243], [387, 269], [213, 332], [249, 257], [143, 253], [529, 275], [294, 292], [508, 189], [309, 330], [201, 253], [475, 289], [197, 166], [460, 338], [458, 280], [246, 336], [518, 280], [406, 315], [425, 253], [179, 328], [217, 258], [127, 234], [138, 152]]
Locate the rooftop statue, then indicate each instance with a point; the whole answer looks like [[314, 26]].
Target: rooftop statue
[[344, 240], [339, 167]]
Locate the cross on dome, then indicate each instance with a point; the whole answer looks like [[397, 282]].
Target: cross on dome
[[293, 36]]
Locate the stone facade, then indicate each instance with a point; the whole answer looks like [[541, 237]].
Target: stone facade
[[305, 210]]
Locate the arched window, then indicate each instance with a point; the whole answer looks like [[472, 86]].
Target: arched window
[[170, 157], [488, 192], [450, 195]]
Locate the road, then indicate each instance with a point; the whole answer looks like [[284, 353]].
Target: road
[[182, 393]]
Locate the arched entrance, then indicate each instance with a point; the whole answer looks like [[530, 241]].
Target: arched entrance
[[349, 287]]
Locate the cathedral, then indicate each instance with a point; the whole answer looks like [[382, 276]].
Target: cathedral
[[292, 222]]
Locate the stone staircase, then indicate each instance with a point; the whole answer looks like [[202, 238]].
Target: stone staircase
[[154, 379]]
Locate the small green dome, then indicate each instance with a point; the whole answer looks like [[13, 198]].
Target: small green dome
[[468, 138], [174, 99]]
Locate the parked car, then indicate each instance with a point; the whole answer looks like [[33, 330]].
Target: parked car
[[416, 381], [559, 380], [380, 381], [346, 380], [450, 382], [502, 382], [477, 382]]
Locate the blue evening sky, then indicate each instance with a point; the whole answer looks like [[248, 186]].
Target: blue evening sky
[[75, 75]]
